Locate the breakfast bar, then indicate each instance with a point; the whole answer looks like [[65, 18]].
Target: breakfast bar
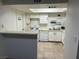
[[18, 45]]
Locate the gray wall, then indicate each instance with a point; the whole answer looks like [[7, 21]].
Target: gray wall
[[72, 30], [0, 2], [2, 47]]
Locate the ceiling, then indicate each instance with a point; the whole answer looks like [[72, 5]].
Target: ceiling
[[25, 8], [13, 2]]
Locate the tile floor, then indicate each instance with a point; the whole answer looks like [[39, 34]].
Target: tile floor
[[49, 50]]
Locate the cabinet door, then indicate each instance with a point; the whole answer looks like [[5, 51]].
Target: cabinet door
[[44, 36], [51, 36], [60, 36], [44, 19], [57, 36]]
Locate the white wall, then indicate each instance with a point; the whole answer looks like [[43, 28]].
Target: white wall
[[9, 19], [72, 30]]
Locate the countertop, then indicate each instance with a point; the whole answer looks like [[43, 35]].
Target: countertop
[[18, 32], [56, 30]]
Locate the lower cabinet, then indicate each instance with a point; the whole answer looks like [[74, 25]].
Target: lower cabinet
[[50, 35], [55, 36], [44, 35]]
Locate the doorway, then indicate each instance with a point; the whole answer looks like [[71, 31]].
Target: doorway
[[48, 23]]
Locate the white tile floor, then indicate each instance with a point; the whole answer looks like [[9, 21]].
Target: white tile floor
[[49, 50]]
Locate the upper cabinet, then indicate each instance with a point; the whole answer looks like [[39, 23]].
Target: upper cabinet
[[43, 19]]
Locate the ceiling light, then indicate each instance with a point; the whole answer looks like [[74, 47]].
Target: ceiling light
[[43, 10]]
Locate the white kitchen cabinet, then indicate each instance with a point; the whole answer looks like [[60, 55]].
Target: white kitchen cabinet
[[51, 36], [44, 35], [55, 36], [58, 36], [43, 19]]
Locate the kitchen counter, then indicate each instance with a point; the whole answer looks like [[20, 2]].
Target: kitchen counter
[[56, 30], [18, 45], [18, 32]]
